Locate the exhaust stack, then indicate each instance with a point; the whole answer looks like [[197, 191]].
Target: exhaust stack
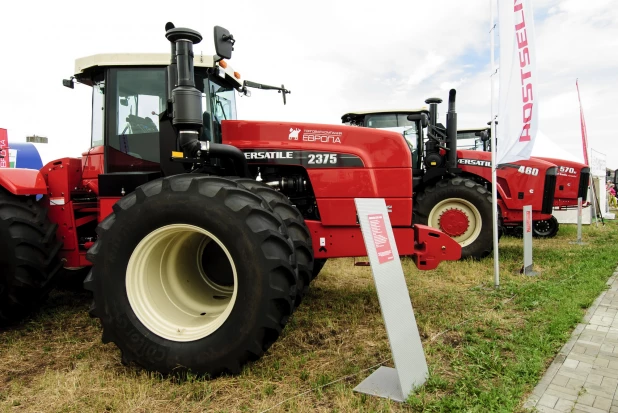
[[451, 131]]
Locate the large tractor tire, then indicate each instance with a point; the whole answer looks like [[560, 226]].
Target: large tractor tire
[[297, 230], [462, 209], [545, 229], [28, 256], [192, 273]]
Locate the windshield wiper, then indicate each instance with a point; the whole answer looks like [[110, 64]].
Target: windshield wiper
[[248, 83]]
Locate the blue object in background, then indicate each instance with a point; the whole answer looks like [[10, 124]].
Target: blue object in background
[[27, 155]]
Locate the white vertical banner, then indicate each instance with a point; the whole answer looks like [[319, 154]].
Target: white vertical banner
[[519, 98]]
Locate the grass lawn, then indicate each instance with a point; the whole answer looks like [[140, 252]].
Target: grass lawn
[[486, 348]]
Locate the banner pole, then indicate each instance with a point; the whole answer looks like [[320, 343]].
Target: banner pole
[[494, 191]]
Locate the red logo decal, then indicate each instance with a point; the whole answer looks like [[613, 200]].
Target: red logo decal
[[380, 238]]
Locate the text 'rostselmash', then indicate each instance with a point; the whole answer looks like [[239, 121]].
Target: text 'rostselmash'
[[526, 74]]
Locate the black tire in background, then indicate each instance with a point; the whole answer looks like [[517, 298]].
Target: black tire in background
[[466, 200], [297, 230], [317, 266], [545, 229], [28, 256], [151, 305]]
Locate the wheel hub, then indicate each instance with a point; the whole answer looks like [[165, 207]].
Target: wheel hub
[[454, 222], [181, 282], [542, 226]]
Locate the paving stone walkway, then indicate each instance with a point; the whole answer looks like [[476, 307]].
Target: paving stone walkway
[[584, 375]]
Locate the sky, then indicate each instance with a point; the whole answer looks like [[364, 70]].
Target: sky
[[335, 57]]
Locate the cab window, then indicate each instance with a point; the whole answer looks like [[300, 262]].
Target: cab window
[[138, 97]]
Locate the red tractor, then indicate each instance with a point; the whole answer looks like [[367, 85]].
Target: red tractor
[[452, 188], [572, 178], [203, 232]]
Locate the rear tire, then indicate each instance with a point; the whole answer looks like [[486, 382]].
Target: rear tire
[[297, 229], [317, 266], [192, 273], [29, 256], [462, 209], [545, 229]]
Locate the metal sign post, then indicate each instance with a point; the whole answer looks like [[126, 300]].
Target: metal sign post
[[410, 369], [579, 223], [527, 268]]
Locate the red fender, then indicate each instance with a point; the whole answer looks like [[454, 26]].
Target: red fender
[[22, 181]]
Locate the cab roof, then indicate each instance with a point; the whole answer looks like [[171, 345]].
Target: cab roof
[[387, 111], [84, 64]]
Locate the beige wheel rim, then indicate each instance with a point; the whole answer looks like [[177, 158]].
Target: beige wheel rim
[[168, 288], [475, 224]]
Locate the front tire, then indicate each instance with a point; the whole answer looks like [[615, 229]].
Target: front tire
[[462, 209], [192, 273], [29, 256], [545, 229]]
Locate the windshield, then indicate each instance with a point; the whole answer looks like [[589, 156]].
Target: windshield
[[397, 122], [469, 140]]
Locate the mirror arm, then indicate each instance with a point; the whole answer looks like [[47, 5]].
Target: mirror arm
[[254, 85]]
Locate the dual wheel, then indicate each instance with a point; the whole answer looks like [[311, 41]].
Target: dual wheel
[[199, 273], [462, 209]]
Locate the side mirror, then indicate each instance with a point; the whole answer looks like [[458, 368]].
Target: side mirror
[[68, 83], [124, 102], [422, 117], [224, 43], [484, 136]]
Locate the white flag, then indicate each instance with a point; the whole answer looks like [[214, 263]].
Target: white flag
[[519, 97]]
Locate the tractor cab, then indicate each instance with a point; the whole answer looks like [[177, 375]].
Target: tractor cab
[[129, 102], [474, 139], [392, 120]]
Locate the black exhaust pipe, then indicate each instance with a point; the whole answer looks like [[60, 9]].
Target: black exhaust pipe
[[451, 131]]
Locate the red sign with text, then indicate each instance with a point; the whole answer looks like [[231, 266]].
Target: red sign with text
[[4, 149], [380, 238]]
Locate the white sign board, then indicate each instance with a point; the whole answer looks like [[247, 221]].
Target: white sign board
[[597, 163], [410, 365], [12, 158], [527, 269]]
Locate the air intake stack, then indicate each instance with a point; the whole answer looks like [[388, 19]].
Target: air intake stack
[[186, 99], [433, 110]]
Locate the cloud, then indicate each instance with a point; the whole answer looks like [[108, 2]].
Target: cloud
[[430, 65]]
